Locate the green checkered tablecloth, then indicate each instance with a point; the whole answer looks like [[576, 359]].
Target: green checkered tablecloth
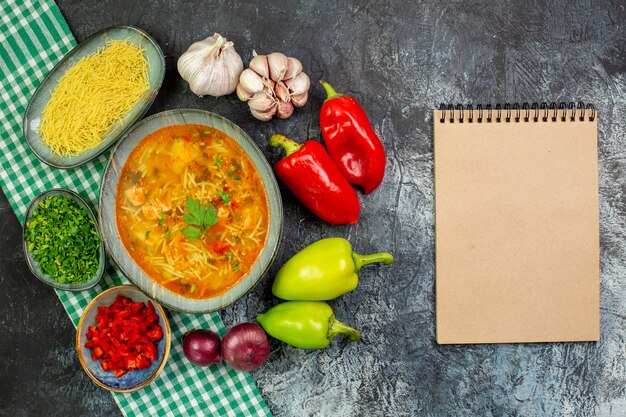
[[33, 38]]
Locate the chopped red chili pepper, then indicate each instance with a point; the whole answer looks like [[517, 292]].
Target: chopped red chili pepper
[[125, 335], [155, 333], [220, 249]]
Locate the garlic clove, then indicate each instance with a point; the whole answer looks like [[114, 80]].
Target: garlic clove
[[261, 102], [299, 100], [259, 65], [284, 110], [264, 116], [282, 92], [251, 81], [294, 68], [299, 84], [278, 64], [211, 66], [269, 84], [273, 85], [243, 94]]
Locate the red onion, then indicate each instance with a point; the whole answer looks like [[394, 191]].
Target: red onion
[[245, 347], [202, 347]]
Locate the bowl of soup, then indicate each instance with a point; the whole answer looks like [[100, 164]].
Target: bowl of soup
[[189, 210]]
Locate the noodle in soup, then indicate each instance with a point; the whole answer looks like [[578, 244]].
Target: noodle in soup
[[192, 210]]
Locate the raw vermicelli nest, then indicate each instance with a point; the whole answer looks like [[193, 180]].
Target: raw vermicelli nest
[[93, 96]]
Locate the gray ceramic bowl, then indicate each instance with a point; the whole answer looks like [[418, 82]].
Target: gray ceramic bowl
[[134, 380], [34, 266], [32, 117], [108, 221]]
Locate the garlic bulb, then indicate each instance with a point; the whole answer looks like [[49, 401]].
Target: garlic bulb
[[211, 66], [273, 85]]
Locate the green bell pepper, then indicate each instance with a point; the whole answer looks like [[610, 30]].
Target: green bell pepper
[[305, 324], [323, 270]]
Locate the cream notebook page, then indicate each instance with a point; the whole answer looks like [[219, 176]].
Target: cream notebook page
[[517, 230]]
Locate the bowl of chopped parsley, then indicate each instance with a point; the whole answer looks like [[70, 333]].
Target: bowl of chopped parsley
[[62, 242]]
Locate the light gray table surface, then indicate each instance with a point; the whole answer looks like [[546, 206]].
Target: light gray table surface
[[399, 59]]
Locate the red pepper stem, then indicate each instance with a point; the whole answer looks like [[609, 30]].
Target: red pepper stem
[[335, 327], [330, 91], [362, 260], [287, 144]]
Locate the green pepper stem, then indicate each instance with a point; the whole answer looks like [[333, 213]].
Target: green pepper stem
[[330, 91], [336, 328], [287, 144], [362, 260]]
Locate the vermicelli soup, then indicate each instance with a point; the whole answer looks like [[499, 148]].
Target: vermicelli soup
[[192, 210]]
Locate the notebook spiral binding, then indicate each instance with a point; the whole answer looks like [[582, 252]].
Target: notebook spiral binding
[[516, 112]]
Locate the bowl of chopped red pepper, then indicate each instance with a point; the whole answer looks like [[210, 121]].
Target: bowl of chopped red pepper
[[123, 339]]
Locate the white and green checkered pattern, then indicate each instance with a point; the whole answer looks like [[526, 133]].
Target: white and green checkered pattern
[[33, 38]]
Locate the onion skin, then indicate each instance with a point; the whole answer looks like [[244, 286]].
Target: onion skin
[[202, 347], [245, 347]]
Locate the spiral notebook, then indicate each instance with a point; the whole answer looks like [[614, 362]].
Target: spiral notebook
[[516, 223]]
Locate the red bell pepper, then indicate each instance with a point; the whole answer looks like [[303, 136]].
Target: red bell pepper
[[309, 172], [351, 140]]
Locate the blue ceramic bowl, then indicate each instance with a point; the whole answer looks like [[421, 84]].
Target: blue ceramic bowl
[[108, 221], [133, 380], [32, 117], [34, 265]]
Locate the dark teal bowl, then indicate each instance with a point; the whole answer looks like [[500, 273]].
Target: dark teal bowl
[[32, 117], [133, 380]]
